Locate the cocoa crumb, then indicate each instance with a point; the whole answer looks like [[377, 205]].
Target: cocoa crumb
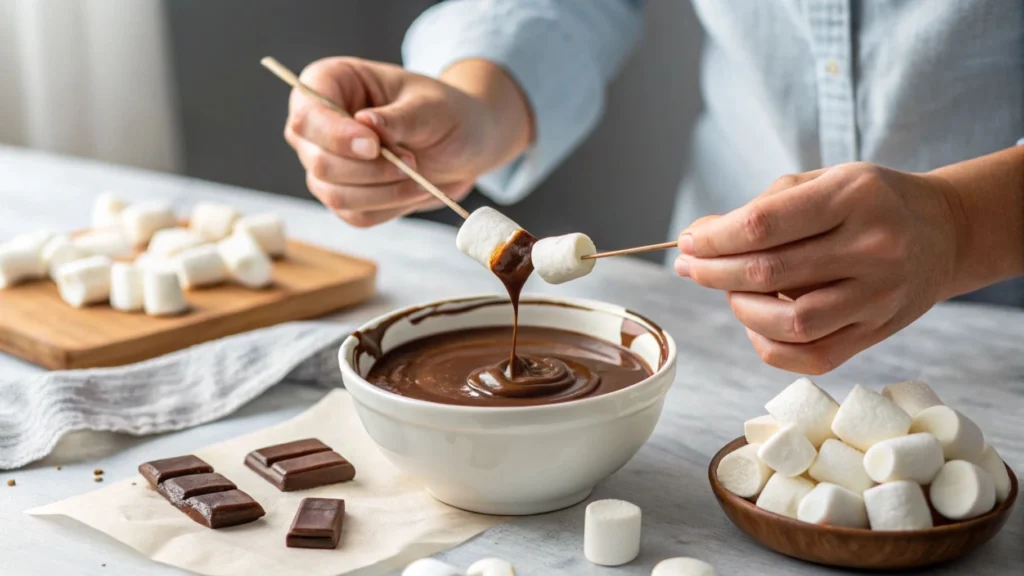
[[58, 467], [11, 482], [98, 479], [98, 472]]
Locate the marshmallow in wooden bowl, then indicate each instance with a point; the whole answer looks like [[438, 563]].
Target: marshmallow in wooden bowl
[[743, 473], [806, 406], [559, 259]]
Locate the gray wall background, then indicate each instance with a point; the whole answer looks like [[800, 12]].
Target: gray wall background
[[618, 187]]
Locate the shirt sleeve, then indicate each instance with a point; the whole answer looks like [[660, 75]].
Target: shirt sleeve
[[562, 53]]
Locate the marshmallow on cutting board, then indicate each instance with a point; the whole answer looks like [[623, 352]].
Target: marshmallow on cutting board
[[245, 260], [161, 292], [742, 472], [962, 490], [897, 506], [782, 494], [866, 418], [912, 396], [991, 462], [491, 567], [757, 430], [126, 287], [267, 230], [960, 437], [170, 242], [85, 281], [110, 243], [833, 505], [200, 266], [559, 259], [683, 567], [806, 406], [106, 211], [788, 451], [611, 532], [840, 464], [485, 231], [213, 221], [21, 258], [430, 567], [917, 457], [58, 251], [140, 221]]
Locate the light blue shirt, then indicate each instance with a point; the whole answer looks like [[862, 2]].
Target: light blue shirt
[[788, 85]]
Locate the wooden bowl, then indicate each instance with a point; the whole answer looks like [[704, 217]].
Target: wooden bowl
[[853, 547]]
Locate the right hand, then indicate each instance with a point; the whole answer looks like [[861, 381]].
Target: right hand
[[450, 134]]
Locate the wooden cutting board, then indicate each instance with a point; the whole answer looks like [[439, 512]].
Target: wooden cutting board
[[37, 326]]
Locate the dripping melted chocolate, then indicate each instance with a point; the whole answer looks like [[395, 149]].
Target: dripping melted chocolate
[[512, 264]]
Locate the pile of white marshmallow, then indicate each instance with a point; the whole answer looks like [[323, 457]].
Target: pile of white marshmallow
[[96, 266], [868, 462]]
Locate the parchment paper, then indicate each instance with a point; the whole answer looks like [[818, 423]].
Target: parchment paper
[[389, 519]]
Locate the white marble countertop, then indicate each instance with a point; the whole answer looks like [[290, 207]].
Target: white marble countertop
[[971, 354]]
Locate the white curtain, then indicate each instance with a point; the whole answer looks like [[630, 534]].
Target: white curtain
[[89, 78]]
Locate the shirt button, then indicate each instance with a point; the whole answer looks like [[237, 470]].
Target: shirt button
[[832, 67]]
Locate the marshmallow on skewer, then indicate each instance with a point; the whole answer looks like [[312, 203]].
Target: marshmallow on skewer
[[245, 260], [866, 418], [106, 211], [833, 505], [757, 430], [742, 472], [213, 221], [560, 259], [840, 464], [782, 494], [491, 567], [58, 251], [788, 452], [140, 221], [806, 406], [22, 259], [126, 287], [267, 230], [171, 241], [960, 437], [484, 232], [110, 243], [430, 567], [912, 396], [917, 457], [962, 490], [683, 567], [161, 292], [897, 506], [611, 532], [85, 281], [991, 462], [200, 266]]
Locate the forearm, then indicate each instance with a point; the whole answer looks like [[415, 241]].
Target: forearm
[[988, 206]]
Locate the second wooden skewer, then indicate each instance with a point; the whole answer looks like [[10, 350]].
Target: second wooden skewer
[[626, 251]]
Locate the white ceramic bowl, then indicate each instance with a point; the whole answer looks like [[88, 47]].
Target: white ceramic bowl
[[515, 460]]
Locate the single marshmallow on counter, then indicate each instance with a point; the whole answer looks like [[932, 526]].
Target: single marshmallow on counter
[[757, 430], [213, 221], [897, 506], [491, 567], [58, 251], [21, 259], [267, 230], [683, 567], [991, 462], [611, 532], [140, 221], [840, 464], [917, 457], [245, 260], [109, 243], [962, 490], [106, 211], [485, 231], [126, 287], [85, 281], [807, 407], [560, 259], [742, 472], [866, 418], [200, 266], [161, 292], [430, 567], [960, 437], [171, 241], [833, 505], [788, 452], [912, 396], [782, 494]]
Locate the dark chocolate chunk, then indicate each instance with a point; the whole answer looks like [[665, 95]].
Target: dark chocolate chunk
[[158, 471], [223, 509], [271, 454], [182, 488], [317, 524]]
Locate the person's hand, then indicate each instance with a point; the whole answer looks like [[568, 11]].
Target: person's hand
[[861, 250], [451, 132]]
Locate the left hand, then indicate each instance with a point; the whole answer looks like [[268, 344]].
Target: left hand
[[864, 250]]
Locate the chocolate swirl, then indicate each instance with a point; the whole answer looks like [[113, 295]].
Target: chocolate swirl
[[535, 377]]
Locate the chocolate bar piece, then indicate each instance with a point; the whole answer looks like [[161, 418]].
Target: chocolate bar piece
[[223, 509], [300, 465], [159, 470], [317, 524], [179, 489]]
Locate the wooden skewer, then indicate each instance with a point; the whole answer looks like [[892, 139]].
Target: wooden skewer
[[637, 250], [282, 72]]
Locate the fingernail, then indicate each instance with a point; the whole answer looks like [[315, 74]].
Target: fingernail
[[364, 148], [686, 244], [682, 266], [371, 117]]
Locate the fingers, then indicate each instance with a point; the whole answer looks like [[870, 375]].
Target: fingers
[[367, 218], [331, 131], [810, 317], [335, 169], [367, 197]]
